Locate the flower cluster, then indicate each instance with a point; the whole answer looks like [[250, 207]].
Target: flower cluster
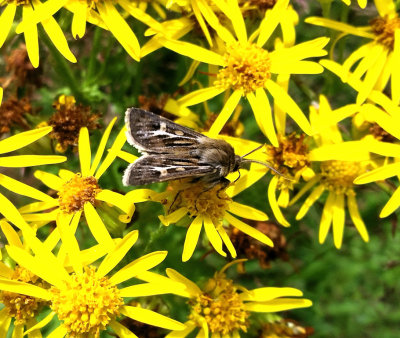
[[311, 122]]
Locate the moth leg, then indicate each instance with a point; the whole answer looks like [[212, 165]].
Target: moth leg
[[224, 184], [211, 184], [237, 177], [175, 199]]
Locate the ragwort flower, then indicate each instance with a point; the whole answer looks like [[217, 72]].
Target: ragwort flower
[[247, 68], [377, 58], [222, 309], [81, 193], [341, 163], [30, 30], [87, 300]]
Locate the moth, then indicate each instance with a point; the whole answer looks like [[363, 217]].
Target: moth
[[171, 151]]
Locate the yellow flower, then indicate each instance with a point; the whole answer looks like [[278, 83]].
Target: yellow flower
[[376, 59], [13, 143], [341, 163], [30, 30], [88, 300], [388, 170], [247, 68], [222, 308], [81, 193], [101, 13], [22, 308]]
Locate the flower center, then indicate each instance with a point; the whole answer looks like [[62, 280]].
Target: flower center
[[384, 29], [76, 192], [338, 176], [86, 303], [221, 307], [23, 307], [262, 4], [290, 157], [198, 201], [247, 68], [381, 134]]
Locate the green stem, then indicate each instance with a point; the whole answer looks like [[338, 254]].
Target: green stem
[[91, 74], [326, 8], [63, 68], [154, 236]]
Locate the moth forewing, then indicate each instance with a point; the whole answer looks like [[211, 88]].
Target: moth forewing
[[171, 151]]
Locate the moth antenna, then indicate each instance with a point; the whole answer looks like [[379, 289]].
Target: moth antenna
[[269, 167], [250, 152]]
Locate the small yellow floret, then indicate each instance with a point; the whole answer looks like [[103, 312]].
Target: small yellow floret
[[338, 176], [76, 192], [384, 29], [86, 304], [247, 68]]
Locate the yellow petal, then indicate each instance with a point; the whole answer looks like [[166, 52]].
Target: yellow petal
[[21, 140], [340, 26], [119, 28], [6, 20], [121, 330], [31, 38], [85, 155], [248, 230], [316, 193], [97, 227], [225, 113], [23, 189], [192, 237], [345, 151], [326, 218], [200, 95], [191, 287], [78, 26], [151, 318], [139, 265], [193, 51], [379, 174], [227, 241], [396, 69], [262, 112], [24, 288], [119, 251], [338, 220], [391, 205], [385, 7], [21, 161], [246, 211], [146, 290], [273, 184], [213, 235], [120, 201], [113, 153], [11, 213], [101, 147], [46, 320], [356, 217], [248, 179], [57, 37], [174, 216], [358, 54], [234, 13], [286, 103], [203, 26], [281, 304], [52, 181], [265, 294], [11, 235]]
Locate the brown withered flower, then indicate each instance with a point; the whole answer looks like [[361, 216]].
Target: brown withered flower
[[156, 105], [285, 328], [20, 68], [68, 119], [247, 247], [380, 134], [12, 113], [232, 128]]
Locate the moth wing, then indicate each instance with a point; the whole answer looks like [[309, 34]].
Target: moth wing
[[155, 168], [151, 133]]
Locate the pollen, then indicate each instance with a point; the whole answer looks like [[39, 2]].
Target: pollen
[[76, 192], [19, 2], [220, 305], [290, 157], [338, 176], [384, 29], [199, 201], [247, 68], [21, 307], [86, 304]]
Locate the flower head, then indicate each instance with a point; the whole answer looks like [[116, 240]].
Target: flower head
[[221, 307], [88, 301]]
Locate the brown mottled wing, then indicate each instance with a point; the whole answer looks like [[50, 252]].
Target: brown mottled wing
[[153, 134], [156, 168]]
